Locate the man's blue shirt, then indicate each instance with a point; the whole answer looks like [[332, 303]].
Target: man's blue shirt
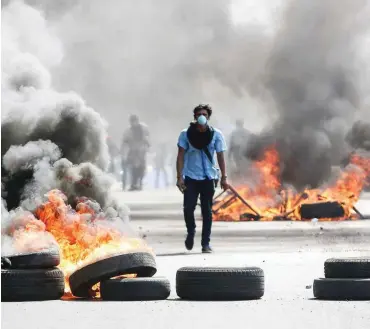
[[196, 163]]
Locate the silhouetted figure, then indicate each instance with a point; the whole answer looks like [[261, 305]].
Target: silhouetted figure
[[238, 142], [135, 146]]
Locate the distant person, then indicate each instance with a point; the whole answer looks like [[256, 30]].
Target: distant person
[[197, 172], [160, 164], [238, 142], [136, 145]]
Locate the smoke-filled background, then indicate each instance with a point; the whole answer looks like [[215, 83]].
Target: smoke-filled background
[[318, 78], [73, 71], [157, 60]]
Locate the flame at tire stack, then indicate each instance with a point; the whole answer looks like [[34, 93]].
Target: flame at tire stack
[[55, 191], [273, 199]]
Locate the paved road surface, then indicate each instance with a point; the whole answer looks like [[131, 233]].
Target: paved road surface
[[290, 265], [291, 255]]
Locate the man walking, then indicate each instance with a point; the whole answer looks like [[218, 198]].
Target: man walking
[[197, 173]]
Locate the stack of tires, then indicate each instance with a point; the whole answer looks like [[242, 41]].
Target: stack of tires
[[141, 288], [32, 277], [345, 279]]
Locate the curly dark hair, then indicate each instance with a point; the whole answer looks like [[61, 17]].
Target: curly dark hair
[[206, 107]]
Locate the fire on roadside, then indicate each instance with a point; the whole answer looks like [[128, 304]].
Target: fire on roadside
[[271, 201], [83, 236]]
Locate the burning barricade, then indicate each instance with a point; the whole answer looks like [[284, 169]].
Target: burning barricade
[[269, 199], [61, 212]]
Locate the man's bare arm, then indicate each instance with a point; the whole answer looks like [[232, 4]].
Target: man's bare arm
[[180, 162], [222, 163]]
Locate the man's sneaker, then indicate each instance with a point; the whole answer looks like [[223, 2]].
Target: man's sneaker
[[207, 250], [189, 242]]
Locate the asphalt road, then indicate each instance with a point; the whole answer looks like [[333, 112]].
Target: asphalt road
[[291, 255]]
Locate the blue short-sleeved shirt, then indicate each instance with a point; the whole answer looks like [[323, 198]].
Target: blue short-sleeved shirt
[[196, 163]]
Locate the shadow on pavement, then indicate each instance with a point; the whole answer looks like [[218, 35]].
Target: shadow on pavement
[[178, 254]]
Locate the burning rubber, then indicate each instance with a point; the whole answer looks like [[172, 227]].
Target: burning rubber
[[270, 199], [141, 264], [37, 260], [225, 204]]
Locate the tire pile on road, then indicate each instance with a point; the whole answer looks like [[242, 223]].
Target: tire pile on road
[[143, 287], [345, 279], [32, 276]]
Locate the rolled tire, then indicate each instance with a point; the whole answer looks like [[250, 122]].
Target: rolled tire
[[41, 259], [136, 289], [220, 283], [341, 289], [140, 263], [347, 268], [31, 285]]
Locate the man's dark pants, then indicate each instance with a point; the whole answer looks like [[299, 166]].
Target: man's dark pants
[[206, 190]]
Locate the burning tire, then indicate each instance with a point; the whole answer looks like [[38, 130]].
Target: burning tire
[[42, 259], [31, 285], [140, 263], [342, 289], [346, 268], [135, 289], [220, 283]]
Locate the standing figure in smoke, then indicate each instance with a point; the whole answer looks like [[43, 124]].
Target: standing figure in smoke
[[197, 173], [238, 140], [135, 145]]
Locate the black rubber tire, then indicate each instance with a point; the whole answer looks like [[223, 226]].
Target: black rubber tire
[[135, 289], [347, 268], [41, 259], [31, 285], [220, 283], [140, 263], [342, 289]]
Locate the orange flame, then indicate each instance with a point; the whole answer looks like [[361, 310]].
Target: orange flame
[[83, 236], [272, 201]]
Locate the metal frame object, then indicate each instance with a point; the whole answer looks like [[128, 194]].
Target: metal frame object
[[232, 194]]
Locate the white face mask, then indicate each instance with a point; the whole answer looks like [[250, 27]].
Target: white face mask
[[202, 120]]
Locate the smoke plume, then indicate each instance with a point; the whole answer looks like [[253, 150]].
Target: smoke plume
[[159, 61], [314, 76], [50, 140]]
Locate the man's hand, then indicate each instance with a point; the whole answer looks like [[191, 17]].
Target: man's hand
[[181, 184], [224, 183]]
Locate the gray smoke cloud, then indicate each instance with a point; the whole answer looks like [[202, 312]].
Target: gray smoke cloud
[[159, 60], [300, 81], [314, 75], [50, 140]]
